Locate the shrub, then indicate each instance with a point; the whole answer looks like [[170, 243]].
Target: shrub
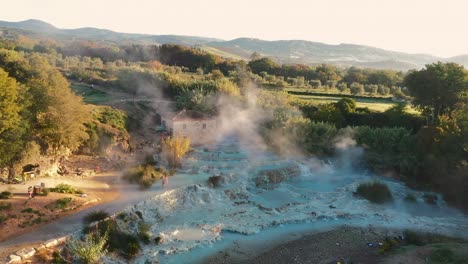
[[174, 149], [421, 239], [61, 203], [91, 249], [125, 244], [158, 240], [442, 255], [389, 245], [410, 198], [28, 210], [3, 218], [6, 195], [57, 258], [215, 181], [374, 192], [144, 233], [122, 215], [45, 192], [430, 198], [95, 216], [145, 176], [5, 206], [140, 215], [388, 149], [65, 188]]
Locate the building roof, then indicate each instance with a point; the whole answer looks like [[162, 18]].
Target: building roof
[[187, 115]]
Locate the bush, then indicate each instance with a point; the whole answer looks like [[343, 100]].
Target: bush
[[61, 203], [57, 258], [5, 206], [65, 188], [45, 192], [28, 210], [158, 240], [421, 239], [118, 241], [389, 245], [3, 218], [6, 195], [91, 249], [375, 192], [140, 215], [410, 198], [215, 181], [430, 198], [442, 255], [145, 176], [388, 149], [144, 233], [95, 217]]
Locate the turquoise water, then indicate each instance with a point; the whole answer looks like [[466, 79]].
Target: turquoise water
[[264, 195]]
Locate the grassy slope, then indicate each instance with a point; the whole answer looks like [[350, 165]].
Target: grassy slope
[[221, 53], [90, 95]]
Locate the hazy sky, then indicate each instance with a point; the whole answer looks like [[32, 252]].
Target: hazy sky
[[438, 27]]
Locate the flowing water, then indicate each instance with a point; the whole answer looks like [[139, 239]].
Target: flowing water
[[262, 193]]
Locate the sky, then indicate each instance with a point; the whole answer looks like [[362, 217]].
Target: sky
[[437, 27]]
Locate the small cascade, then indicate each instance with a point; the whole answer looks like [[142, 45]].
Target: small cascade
[[263, 190]]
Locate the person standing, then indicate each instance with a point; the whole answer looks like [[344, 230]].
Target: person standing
[[30, 192]]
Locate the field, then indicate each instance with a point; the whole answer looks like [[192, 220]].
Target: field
[[325, 96], [89, 94], [221, 53], [374, 104]]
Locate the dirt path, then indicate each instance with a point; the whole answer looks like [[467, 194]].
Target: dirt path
[[128, 195]]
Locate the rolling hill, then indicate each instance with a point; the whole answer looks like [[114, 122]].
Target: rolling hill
[[284, 51]]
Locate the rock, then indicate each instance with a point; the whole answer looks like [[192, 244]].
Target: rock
[[14, 259], [40, 247], [61, 240], [51, 243], [26, 253]]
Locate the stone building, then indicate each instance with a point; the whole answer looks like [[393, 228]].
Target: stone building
[[199, 127]]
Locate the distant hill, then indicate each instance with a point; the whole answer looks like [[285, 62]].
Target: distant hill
[[97, 34], [284, 51], [463, 60], [300, 51]]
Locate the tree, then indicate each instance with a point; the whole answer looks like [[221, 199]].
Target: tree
[[174, 149], [255, 56], [11, 122], [346, 105], [327, 72], [263, 64], [356, 88], [315, 83], [342, 87], [437, 88], [62, 124]]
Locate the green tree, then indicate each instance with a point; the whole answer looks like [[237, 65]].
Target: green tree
[[356, 88], [11, 122], [263, 64], [342, 87], [437, 88], [346, 105]]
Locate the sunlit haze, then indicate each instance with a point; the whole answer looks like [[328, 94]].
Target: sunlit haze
[[417, 26]]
